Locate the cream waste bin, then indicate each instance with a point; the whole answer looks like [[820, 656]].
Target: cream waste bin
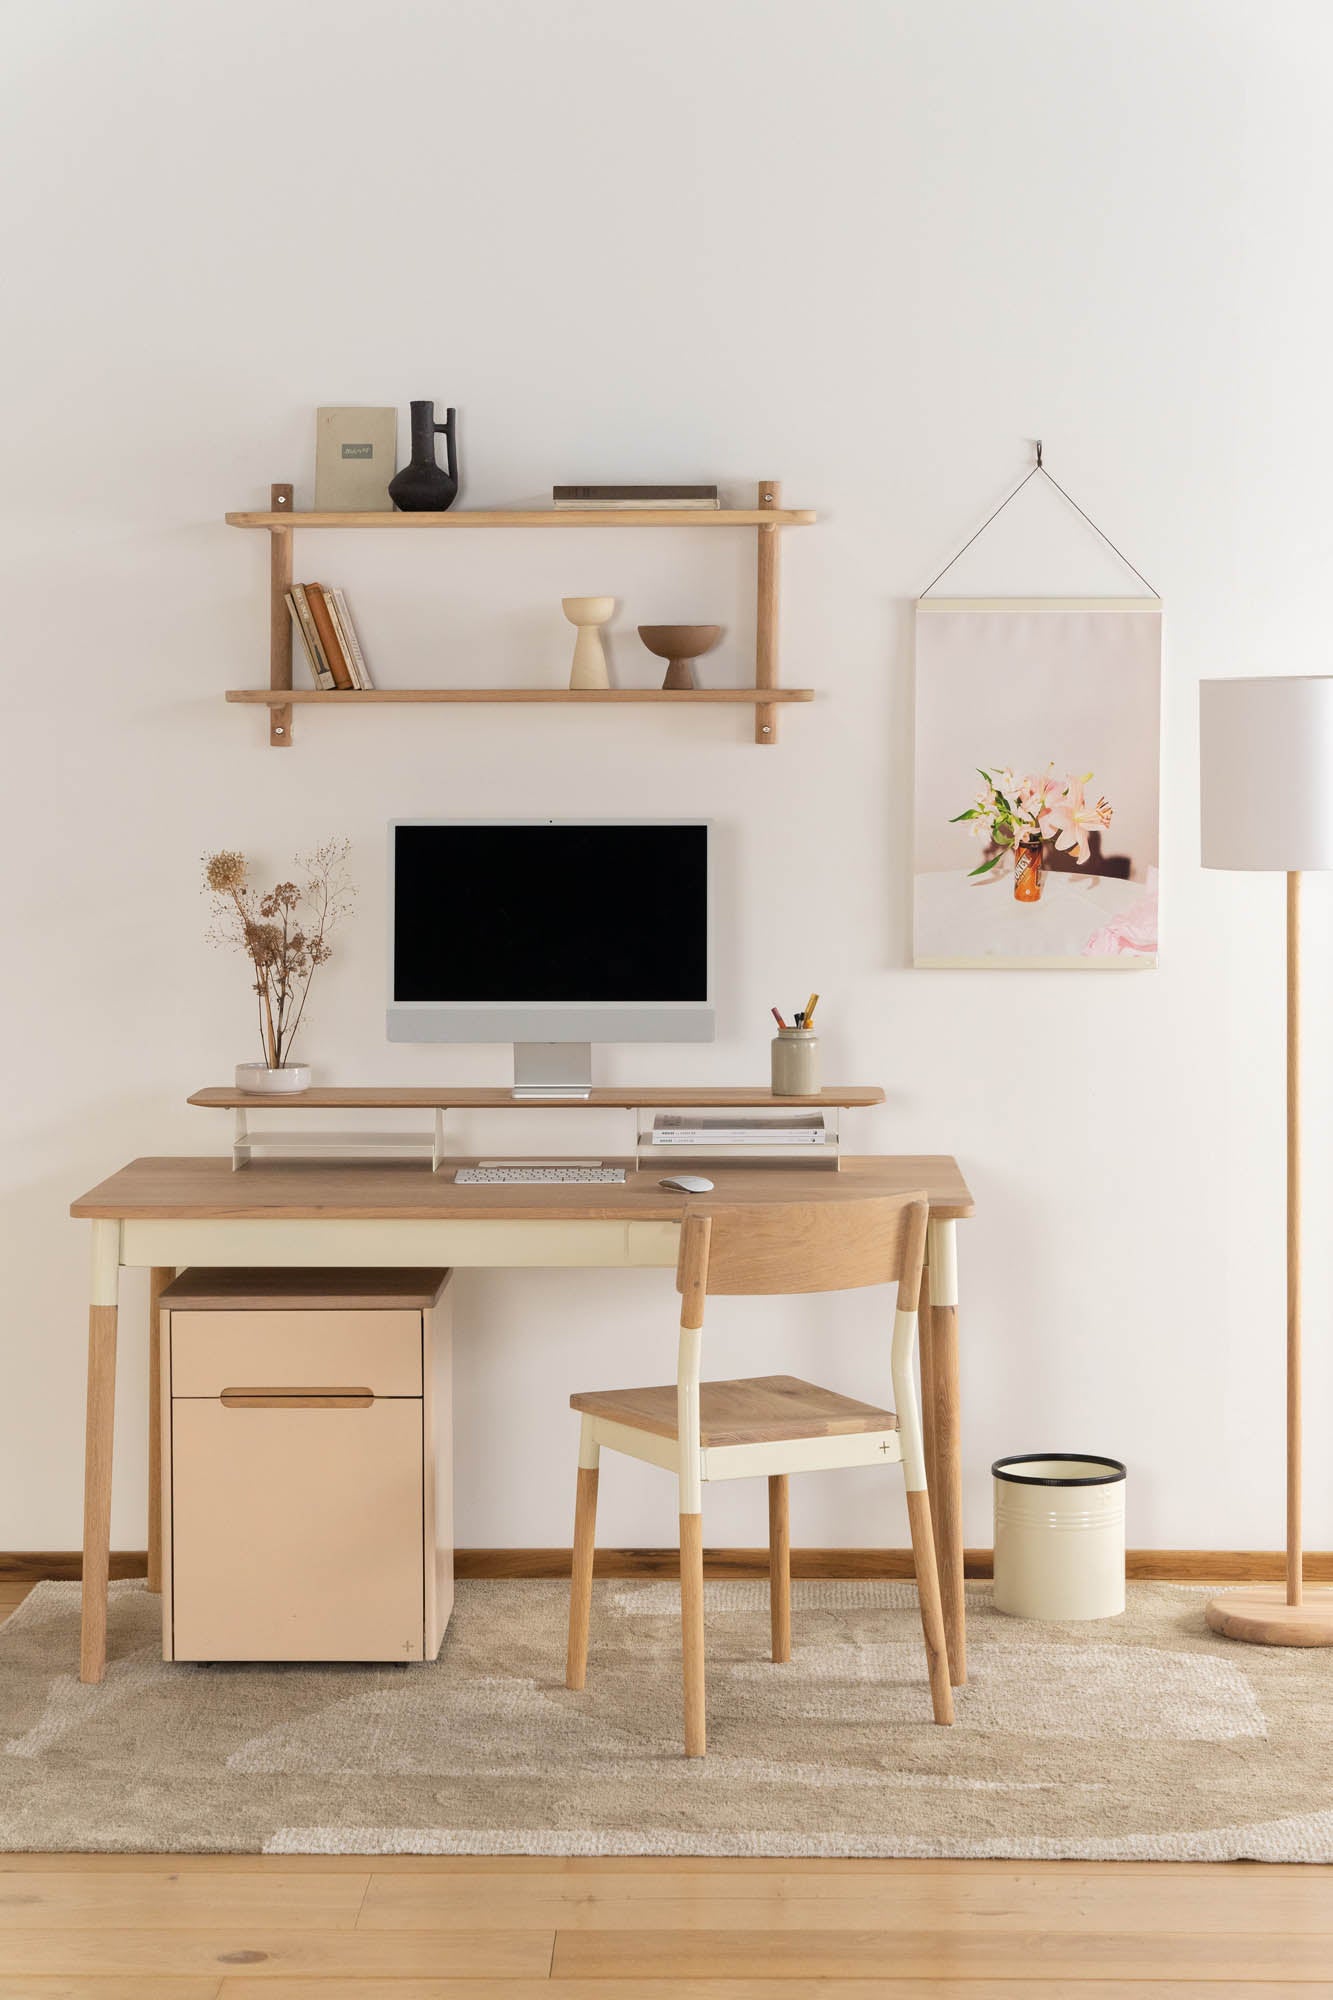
[[1059, 1535]]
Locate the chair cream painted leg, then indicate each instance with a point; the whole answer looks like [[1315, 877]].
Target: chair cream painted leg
[[925, 1342], [158, 1280], [779, 1566], [102, 1321], [692, 1630], [580, 1585], [918, 1514]]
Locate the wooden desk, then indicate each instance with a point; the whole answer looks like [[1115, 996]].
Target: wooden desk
[[167, 1213]]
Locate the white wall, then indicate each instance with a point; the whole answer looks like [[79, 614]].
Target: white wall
[[869, 247]]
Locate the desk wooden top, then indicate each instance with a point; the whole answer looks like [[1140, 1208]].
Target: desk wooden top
[[406, 1190]]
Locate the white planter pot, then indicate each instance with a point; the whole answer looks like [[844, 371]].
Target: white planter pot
[[261, 1081]]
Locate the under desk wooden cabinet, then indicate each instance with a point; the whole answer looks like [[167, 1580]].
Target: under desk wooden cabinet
[[307, 1483]]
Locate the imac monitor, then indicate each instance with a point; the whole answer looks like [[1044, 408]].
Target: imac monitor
[[550, 934]]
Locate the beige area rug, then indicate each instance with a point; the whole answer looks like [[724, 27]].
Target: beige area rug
[[1141, 1737]]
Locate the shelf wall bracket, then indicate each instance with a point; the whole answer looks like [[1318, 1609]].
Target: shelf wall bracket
[[766, 615], [279, 619]]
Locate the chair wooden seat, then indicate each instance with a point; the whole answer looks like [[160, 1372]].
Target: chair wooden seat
[[765, 1409]]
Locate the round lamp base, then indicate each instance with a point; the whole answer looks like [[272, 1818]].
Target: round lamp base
[[1262, 1615]]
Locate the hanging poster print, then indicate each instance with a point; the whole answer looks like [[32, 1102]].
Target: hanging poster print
[[1037, 751]]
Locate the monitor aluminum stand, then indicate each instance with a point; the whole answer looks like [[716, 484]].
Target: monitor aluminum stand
[[552, 1069]]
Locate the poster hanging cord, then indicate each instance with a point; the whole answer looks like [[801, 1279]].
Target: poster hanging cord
[[1040, 468]]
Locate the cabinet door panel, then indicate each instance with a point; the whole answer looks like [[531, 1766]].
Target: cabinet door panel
[[297, 1533]]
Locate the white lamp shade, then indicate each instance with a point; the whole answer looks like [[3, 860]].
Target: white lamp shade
[[1266, 764]]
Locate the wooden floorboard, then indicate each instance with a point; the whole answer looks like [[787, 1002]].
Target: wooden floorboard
[[1013, 1902], [968, 1951], [348, 1955], [78, 1899], [207, 1988]]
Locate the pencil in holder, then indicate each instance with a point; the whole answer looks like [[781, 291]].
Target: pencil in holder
[[795, 1063]]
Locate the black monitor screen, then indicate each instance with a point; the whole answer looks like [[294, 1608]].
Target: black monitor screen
[[496, 914]]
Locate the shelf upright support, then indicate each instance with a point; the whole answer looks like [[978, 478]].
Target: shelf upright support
[[279, 619], [766, 617]]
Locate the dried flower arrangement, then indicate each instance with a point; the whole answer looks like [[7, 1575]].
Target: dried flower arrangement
[[283, 931]]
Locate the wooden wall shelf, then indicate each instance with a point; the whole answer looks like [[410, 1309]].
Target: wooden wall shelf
[[280, 521], [541, 517], [352, 698]]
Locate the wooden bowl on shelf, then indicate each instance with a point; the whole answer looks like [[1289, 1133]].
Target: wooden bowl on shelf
[[680, 646]]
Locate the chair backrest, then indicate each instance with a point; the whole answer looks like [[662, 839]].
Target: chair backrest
[[837, 1244]]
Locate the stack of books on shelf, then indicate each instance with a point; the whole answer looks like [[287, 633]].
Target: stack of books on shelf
[[624, 499], [324, 626]]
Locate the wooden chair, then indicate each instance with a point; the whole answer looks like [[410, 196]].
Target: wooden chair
[[774, 1424]]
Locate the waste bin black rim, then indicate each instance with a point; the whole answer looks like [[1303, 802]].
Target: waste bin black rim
[[1113, 1469]]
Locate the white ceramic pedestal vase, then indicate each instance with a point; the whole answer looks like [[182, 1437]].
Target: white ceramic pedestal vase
[[588, 668], [1059, 1536], [258, 1080]]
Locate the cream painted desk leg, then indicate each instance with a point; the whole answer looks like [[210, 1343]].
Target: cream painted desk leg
[[158, 1280], [947, 1495], [102, 1319]]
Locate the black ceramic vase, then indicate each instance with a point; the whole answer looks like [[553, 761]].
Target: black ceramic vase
[[421, 487]]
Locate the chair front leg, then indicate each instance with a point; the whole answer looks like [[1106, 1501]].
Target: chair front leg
[[932, 1610], [580, 1585]]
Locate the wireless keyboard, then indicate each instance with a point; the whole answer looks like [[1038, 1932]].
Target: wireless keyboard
[[534, 1176]]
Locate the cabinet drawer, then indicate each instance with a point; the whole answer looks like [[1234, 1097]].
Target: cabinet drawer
[[213, 1351]]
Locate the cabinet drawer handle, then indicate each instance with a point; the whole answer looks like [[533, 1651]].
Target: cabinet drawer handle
[[297, 1399]]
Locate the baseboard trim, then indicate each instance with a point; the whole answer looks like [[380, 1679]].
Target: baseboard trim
[[1141, 1565]]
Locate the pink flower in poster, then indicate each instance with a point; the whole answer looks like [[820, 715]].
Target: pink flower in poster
[[1075, 819], [1037, 797]]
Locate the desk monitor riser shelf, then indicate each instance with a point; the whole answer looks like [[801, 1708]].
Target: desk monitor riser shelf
[[764, 520], [166, 1214], [642, 1102]]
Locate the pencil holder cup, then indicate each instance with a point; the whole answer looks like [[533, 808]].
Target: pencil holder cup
[[796, 1063]]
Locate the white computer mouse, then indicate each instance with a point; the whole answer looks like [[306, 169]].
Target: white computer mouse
[[687, 1183]]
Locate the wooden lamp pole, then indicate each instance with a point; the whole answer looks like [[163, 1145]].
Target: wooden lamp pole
[[1267, 763], [1295, 1564]]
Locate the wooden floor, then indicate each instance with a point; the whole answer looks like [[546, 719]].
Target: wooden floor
[[239, 1927]]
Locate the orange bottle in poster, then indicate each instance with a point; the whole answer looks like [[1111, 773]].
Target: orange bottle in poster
[[1029, 867]]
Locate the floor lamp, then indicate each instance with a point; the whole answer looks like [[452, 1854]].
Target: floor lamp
[[1266, 763]]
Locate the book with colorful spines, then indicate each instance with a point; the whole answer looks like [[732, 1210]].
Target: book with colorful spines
[[343, 678], [299, 608], [342, 618]]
